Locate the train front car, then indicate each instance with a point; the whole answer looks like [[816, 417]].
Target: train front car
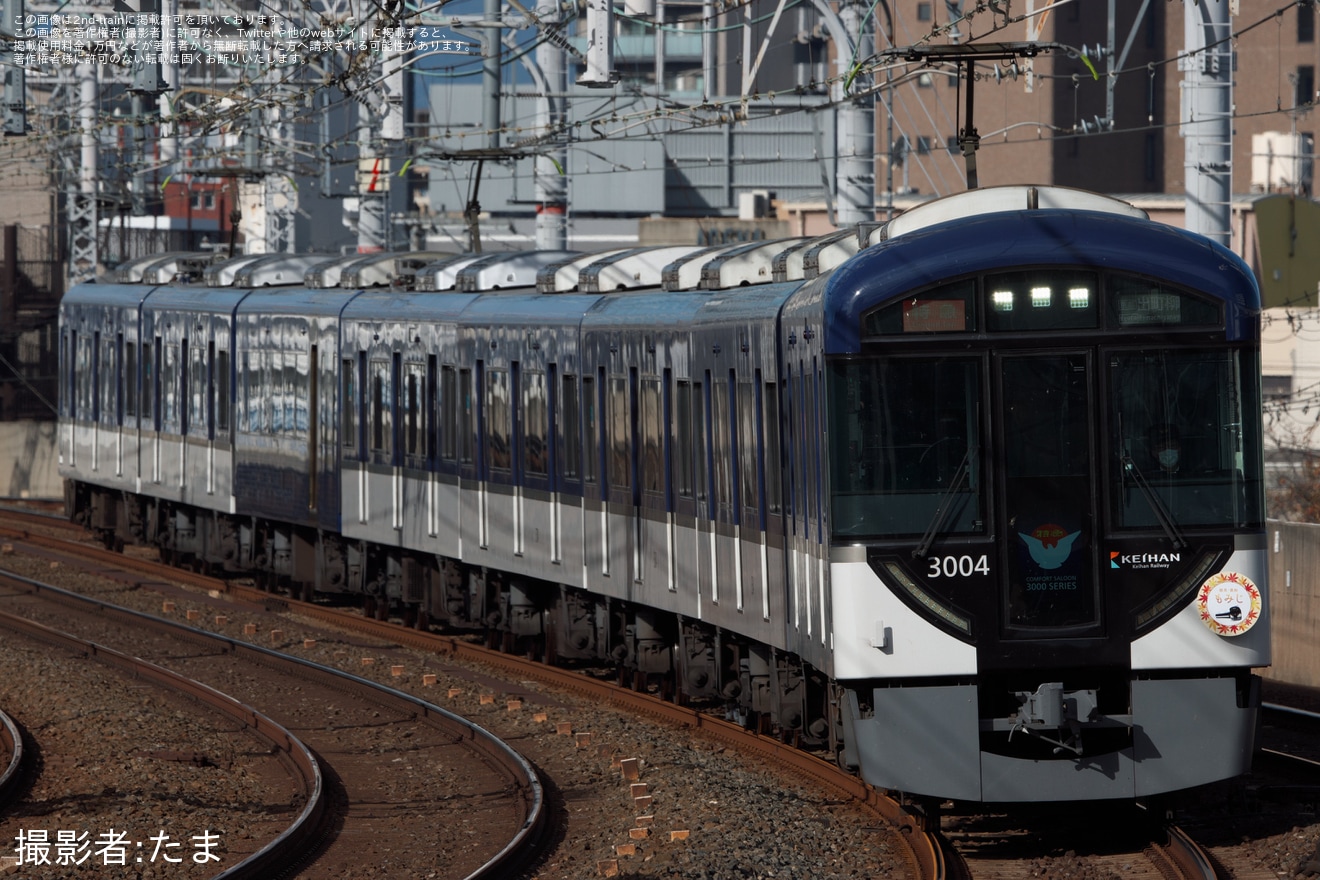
[[1043, 445]]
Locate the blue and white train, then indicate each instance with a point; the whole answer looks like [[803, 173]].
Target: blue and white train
[[971, 499]]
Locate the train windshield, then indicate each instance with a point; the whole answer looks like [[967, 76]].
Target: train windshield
[[906, 455], [1183, 453]]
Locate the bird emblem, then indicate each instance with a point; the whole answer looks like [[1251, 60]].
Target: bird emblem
[[1051, 550]]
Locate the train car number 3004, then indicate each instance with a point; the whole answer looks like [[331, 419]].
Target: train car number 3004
[[958, 566]]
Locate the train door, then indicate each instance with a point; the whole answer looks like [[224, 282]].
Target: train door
[[1049, 543], [209, 404]]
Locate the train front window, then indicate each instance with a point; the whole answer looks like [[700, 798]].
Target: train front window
[[1183, 453], [906, 455]]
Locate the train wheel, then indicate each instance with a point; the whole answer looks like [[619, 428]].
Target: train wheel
[[383, 609], [422, 621], [410, 616], [509, 643], [369, 606]]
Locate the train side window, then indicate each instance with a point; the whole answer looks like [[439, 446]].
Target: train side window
[[773, 451], [271, 404], [380, 387], [721, 429], [806, 407], [590, 430], [105, 387], [197, 382], [169, 415], [222, 408], [302, 386], [700, 440], [570, 418], [653, 466], [348, 403], [619, 458], [394, 433], [85, 366], [414, 392], [210, 390], [122, 382], [150, 388], [466, 416], [292, 391], [683, 443], [747, 446], [247, 416], [497, 420], [69, 384], [430, 412], [536, 452], [130, 380], [449, 420]]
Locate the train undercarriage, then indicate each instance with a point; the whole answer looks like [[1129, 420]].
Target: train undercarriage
[[678, 658]]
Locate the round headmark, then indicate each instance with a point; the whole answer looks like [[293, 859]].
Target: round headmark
[[1229, 603]]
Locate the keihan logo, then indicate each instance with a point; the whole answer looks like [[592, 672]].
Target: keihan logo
[[1143, 560], [1049, 545]]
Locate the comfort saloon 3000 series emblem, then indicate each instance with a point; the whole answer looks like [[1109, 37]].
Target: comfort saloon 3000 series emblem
[[1049, 545], [1229, 603]]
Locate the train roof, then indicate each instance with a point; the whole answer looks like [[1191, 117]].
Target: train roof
[[326, 275], [565, 275], [530, 309], [279, 269], [195, 299], [106, 294], [500, 271], [633, 268], [296, 300], [131, 271], [222, 273], [389, 305], [932, 253], [381, 270], [745, 265]]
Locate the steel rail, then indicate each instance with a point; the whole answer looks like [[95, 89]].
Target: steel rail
[[922, 848], [522, 774], [265, 860], [1188, 857]]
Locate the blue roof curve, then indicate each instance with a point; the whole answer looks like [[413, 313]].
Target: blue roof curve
[[990, 242]]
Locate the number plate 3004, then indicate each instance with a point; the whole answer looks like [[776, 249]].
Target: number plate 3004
[[958, 566]]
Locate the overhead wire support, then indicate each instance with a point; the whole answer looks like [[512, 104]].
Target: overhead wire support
[[969, 53]]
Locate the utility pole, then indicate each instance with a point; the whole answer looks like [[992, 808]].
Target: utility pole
[[1207, 118], [855, 134], [81, 181], [551, 186], [15, 75]]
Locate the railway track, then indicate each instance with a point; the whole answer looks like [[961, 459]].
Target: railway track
[[293, 754], [921, 849], [1088, 843], [372, 728]]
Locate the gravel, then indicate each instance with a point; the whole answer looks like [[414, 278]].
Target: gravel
[[741, 820]]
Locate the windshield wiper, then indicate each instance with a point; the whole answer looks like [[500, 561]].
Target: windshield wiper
[[1162, 514], [942, 511]]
